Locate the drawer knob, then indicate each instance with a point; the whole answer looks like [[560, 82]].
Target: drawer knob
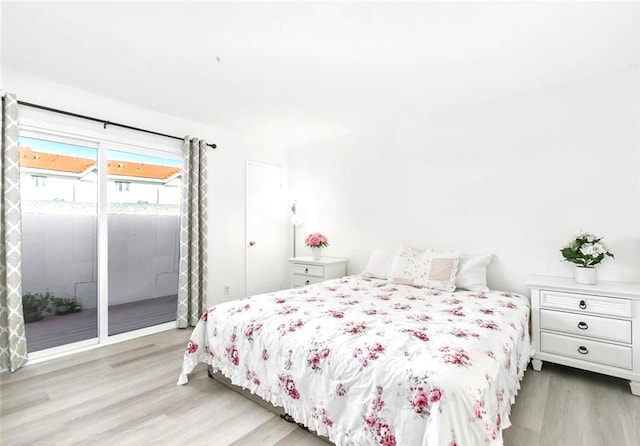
[[306, 270], [582, 304], [583, 350], [306, 282], [582, 325]]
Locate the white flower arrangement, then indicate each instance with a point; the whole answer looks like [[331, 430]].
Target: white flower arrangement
[[586, 250]]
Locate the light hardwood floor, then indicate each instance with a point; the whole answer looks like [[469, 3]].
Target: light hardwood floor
[[126, 394]]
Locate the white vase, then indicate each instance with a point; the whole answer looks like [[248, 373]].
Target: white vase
[[316, 252], [585, 276]]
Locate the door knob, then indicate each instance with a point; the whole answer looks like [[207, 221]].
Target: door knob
[[252, 243]]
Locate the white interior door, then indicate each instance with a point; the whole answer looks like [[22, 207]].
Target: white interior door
[[264, 231]]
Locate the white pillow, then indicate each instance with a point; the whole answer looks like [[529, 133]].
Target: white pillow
[[472, 272], [379, 264], [427, 269]]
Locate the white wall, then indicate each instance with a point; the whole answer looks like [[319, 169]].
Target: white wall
[[226, 167], [515, 177]]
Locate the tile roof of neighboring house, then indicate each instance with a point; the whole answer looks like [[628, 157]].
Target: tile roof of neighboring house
[[141, 170], [51, 161], [76, 165]]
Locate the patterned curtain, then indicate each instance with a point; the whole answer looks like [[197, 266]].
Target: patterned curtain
[[192, 286], [13, 345]]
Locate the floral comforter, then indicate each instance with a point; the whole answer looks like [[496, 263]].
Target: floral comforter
[[367, 362]]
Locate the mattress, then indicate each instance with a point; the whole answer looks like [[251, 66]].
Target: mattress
[[364, 361]]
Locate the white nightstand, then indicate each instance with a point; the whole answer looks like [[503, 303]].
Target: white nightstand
[[591, 327], [308, 270]]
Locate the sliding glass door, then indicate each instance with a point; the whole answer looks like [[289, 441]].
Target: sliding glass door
[[59, 242], [99, 240], [144, 195]]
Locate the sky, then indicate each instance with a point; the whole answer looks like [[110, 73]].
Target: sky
[[41, 145]]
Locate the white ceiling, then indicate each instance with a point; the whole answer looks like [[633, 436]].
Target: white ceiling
[[295, 72]]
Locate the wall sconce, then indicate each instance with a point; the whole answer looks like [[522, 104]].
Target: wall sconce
[[296, 220]]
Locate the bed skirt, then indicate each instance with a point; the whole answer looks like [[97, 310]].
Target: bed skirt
[[279, 411]]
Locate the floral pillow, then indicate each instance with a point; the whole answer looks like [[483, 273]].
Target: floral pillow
[[429, 269]]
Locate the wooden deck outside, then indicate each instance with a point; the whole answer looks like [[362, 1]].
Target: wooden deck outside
[[54, 330]]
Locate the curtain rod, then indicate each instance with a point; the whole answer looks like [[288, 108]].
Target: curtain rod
[[103, 121]]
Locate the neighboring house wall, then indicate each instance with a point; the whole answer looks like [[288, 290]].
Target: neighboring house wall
[[126, 191], [41, 186], [38, 185], [515, 177]]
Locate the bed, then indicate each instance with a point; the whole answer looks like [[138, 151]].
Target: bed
[[364, 361]]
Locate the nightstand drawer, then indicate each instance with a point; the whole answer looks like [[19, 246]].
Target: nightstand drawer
[[308, 270], [586, 303], [584, 325], [300, 280], [587, 350]]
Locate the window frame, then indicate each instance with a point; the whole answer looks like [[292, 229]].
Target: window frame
[[39, 180], [123, 186]]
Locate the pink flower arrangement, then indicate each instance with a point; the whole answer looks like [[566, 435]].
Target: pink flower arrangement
[[316, 240]]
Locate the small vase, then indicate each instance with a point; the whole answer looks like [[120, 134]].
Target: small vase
[[316, 252], [585, 276]]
